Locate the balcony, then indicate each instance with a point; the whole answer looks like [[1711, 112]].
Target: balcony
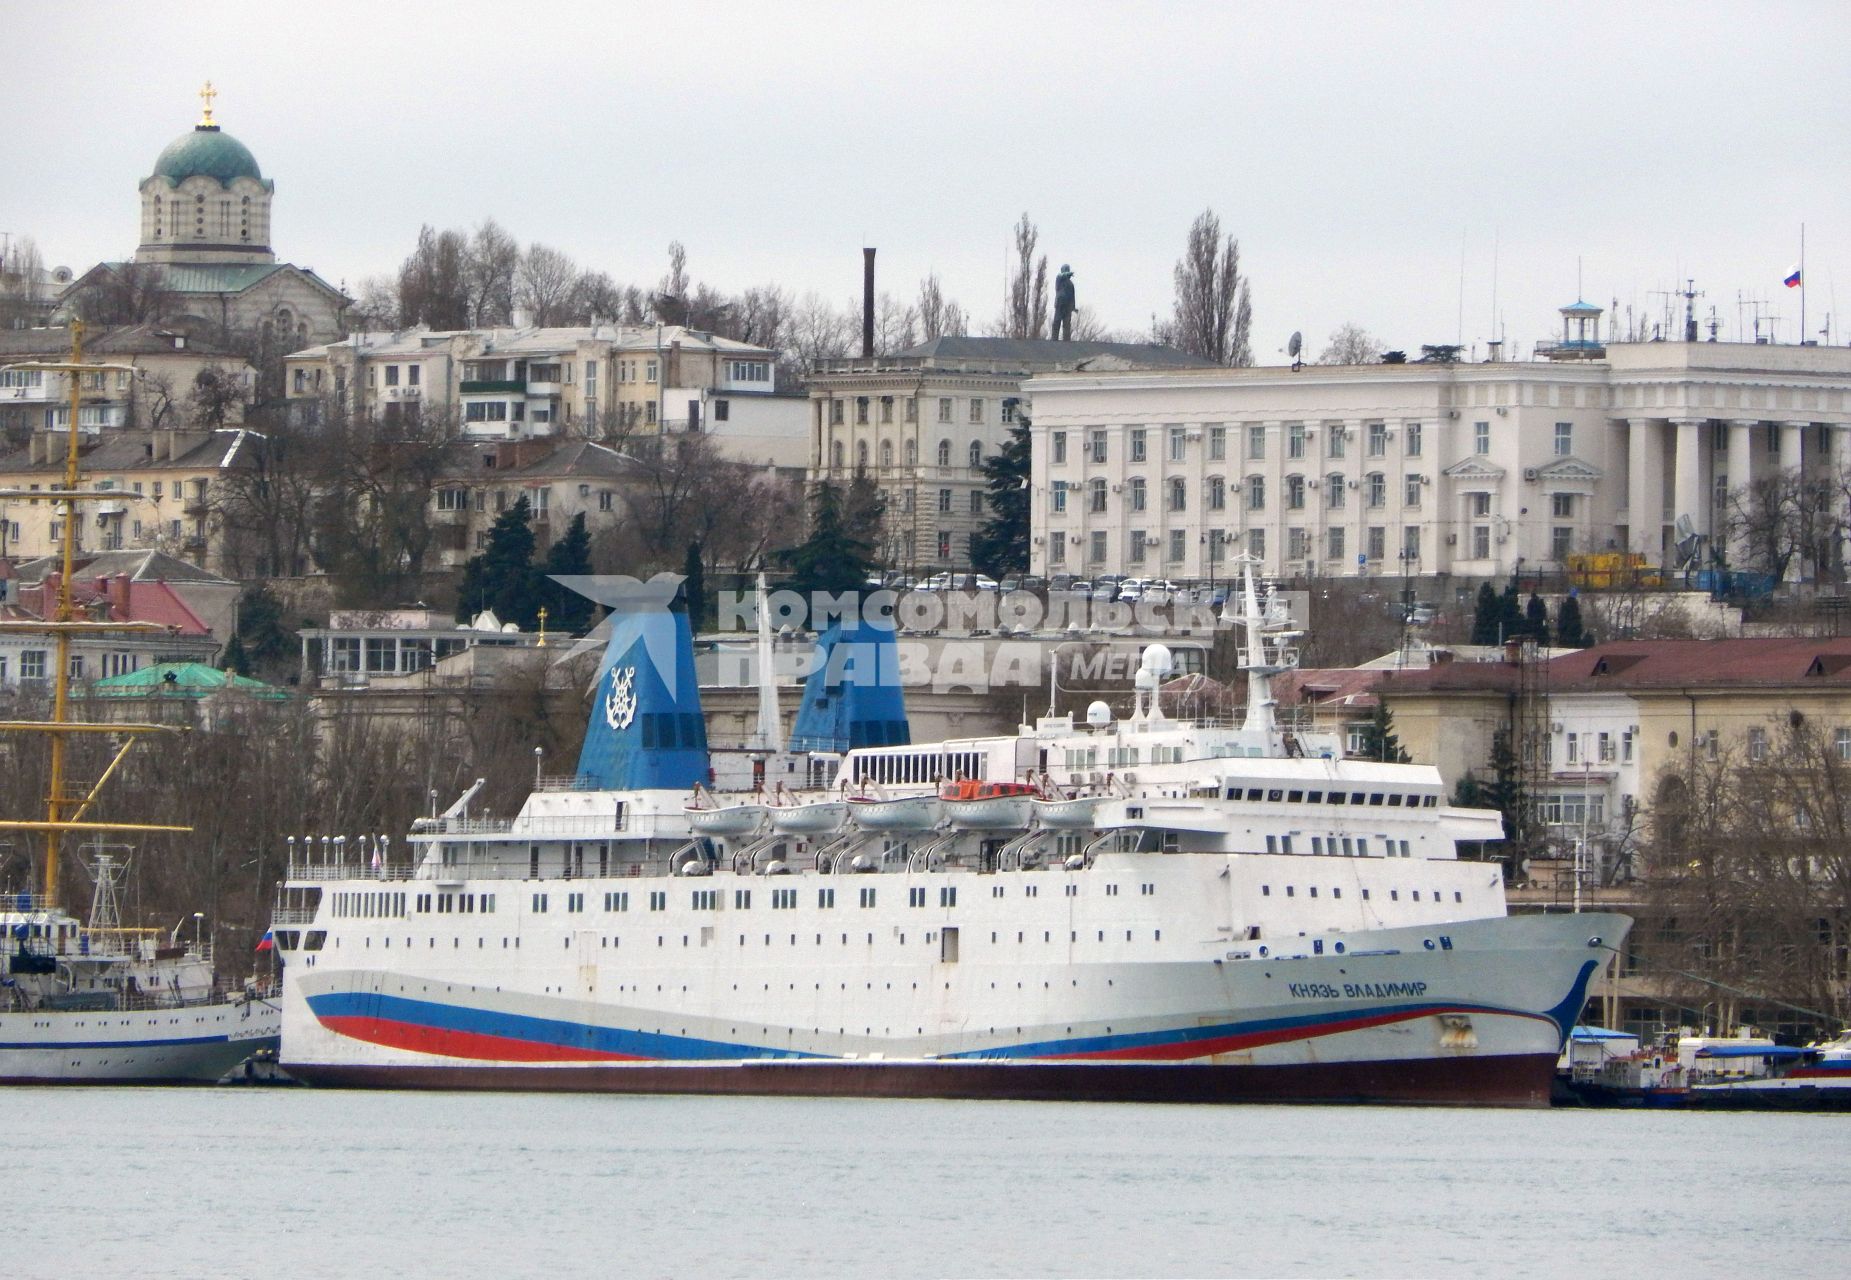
[[515, 386]]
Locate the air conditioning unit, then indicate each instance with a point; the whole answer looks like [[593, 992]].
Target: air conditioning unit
[[1425, 479], [1352, 484], [1039, 541], [1118, 488], [1555, 727], [1452, 539], [1452, 413], [1077, 539], [1531, 474], [1311, 484]]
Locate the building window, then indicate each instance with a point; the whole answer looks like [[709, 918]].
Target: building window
[[1177, 542], [1410, 439], [835, 413], [944, 545], [1217, 444], [886, 454], [1217, 493], [911, 452], [1297, 545], [1095, 494], [1294, 492], [1481, 542], [976, 454], [1334, 486], [1256, 543], [861, 455], [944, 500], [1561, 542], [944, 408], [1481, 505], [976, 411], [886, 409], [391, 375], [1603, 745], [1137, 444], [1757, 744], [976, 502], [1097, 550], [861, 411], [1137, 546], [1378, 439], [1410, 544], [1481, 437], [1256, 493], [1378, 489], [1097, 440], [1337, 434], [1562, 506], [1295, 440], [1057, 550], [1378, 543], [1137, 494], [1564, 439], [944, 453], [1179, 443], [1256, 444], [1009, 408], [1333, 543], [1058, 497], [649, 371], [1179, 494], [1059, 439], [912, 409]]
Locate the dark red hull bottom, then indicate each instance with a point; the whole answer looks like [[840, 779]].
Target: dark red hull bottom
[[1500, 1082]]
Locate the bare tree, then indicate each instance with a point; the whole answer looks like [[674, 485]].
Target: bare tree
[[543, 285], [1351, 344], [1025, 309], [217, 397], [820, 332], [1791, 520], [126, 293], [1213, 310], [266, 503], [939, 316], [896, 325], [763, 317], [489, 270], [375, 307], [432, 288]]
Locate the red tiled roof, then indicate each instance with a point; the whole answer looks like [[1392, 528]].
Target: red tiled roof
[[1329, 686]]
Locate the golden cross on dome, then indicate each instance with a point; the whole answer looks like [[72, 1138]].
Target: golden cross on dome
[[206, 95]]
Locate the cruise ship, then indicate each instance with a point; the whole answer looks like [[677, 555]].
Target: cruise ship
[[1124, 908]]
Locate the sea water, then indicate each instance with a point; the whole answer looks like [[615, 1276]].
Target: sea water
[[291, 1183]]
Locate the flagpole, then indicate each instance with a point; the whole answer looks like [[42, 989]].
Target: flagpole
[[1802, 284]]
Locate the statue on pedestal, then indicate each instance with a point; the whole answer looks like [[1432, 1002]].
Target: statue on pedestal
[[1063, 305]]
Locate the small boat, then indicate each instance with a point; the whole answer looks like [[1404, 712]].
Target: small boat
[[1815, 1077], [807, 819], [1072, 814], [725, 820], [987, 806], [910, 813]]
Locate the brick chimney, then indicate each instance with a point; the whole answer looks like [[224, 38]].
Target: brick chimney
[[119, 597]]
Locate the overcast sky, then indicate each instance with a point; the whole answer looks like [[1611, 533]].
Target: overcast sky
[[1369, 157]]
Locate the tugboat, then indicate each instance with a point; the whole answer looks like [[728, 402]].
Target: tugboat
[[96, 1002]]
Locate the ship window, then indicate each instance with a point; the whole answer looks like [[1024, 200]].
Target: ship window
[[1314, 797], [1336, 893], [1362, 846], [1254, 793], [1294, 797], [1356, 797], [948, 896], [1375, 798], [867, 897], [1394, 799], [1349, 848], [1394, 895], [314, 939], [1337, 797], [1457, 896], [1234, 793], [1365, 895], [1275, 795], [1417, 895], [1285, 844], [1291, 891], [1272, 844], [1317, 844], [1313, 891]]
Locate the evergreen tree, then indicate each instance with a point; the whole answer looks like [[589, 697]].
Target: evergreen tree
[[503, 577], [834, 558], [1378, 737], [1001, 544], [864, 513], [694, 590], [1568, 629], [1510, 613], [1485, 615], [235, 661], [566, 610], [1536, 619], [264, 642]]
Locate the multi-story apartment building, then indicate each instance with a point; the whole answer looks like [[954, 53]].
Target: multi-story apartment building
[[170, 483], [920, 422], [559, 478], [601, 381], [1474, 469], [157, 390]]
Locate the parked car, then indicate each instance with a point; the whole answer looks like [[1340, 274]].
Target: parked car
[[1078, 588], [982, 581], [1133, 589], [1033, 582], [1102, 590], [1012, 583]]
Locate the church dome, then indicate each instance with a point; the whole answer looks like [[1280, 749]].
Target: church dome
[[207, 151]]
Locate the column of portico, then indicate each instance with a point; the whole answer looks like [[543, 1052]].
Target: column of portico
[[1740, 472], [1687, 498], [1645, 485], [1792, 445], [1841, 472]]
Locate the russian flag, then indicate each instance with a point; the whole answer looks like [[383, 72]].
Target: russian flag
[[266, 942], [1793, 279]]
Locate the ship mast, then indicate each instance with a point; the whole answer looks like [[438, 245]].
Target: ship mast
[[64, 810]]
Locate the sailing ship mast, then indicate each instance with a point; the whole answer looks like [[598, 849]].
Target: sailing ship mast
[[65, 810]]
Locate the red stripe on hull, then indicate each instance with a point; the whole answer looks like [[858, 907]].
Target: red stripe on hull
[[462, 1044], [1186, 1049], [1513, 1081]]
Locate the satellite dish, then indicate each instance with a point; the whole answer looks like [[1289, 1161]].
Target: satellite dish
[[1295, 344]]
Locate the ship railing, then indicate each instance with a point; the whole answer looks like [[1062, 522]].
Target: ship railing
[[305, 869], [566, 782], [560, 825], [291, 915]]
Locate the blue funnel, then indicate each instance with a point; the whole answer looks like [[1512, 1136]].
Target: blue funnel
[[853, 697], [646, 731]]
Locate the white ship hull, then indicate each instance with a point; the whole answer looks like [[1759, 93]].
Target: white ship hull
[[1138, 995], [189, 1044]]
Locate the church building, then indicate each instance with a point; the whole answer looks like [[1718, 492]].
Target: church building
[[205, 252]]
